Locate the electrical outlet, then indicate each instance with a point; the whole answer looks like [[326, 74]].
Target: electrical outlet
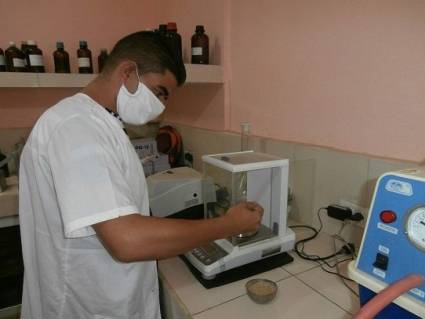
[[355, 208]]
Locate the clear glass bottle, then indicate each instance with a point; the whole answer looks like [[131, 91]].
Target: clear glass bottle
[[85, 64], [200, 46], [61, 59], [245, 136]]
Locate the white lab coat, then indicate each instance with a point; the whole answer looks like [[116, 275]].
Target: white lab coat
[[79, 168]]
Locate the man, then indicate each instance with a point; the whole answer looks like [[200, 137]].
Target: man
[[88, 242]]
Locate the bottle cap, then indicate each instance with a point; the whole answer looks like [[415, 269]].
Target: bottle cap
[[172, 26], [162, 28], [199, 28], [103, 51], [31, 42], [59, 45], [12, 44], [83, 44]]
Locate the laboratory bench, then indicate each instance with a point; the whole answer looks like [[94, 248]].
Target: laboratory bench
[[304, 291]]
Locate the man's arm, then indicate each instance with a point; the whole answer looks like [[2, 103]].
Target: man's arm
[[136, 238]]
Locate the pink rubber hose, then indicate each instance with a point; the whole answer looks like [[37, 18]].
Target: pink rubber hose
[[386, 296]]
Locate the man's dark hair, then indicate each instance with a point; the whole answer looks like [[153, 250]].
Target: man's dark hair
[[151, 51]]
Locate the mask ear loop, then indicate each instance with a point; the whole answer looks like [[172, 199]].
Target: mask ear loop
[[137, 71]]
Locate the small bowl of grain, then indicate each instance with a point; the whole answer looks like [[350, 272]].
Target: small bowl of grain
[[261, 290]]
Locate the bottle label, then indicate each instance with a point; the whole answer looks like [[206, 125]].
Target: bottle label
[[84, 62], [2, 60], [18, 63], [197, 51], [36, 60]]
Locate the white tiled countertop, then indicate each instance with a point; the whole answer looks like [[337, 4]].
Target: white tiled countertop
[[305, 291]]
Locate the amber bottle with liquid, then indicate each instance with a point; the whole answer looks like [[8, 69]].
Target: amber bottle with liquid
[[85, 64], [24, 49], [200, 46], [175, 39], [2, 61], [61, 59], [101, 59], [35, 57], [15, 59]]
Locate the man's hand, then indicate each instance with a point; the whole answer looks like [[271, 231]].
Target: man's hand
[[244, 217]]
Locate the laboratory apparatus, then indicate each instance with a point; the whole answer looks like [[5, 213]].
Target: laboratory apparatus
[[393, 244], [234, 178]]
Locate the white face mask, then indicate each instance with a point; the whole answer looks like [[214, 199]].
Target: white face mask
[[139, 107]]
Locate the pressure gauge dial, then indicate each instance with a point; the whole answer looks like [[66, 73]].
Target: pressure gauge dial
[[415, 227]]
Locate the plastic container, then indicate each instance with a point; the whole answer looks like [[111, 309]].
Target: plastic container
[[200, 46], [15, 59], [61, 59], [35, 57], [85, 64], [101, 59], [2, 61]]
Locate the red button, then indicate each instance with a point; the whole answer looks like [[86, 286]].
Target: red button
[[388, 216]]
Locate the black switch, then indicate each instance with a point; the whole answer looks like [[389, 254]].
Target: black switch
[[381, 261]]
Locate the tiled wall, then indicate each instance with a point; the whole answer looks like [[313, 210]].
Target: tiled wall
[[318, 176]]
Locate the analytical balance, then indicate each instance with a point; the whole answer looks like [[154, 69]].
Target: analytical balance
[[393, 244], [237, 177]]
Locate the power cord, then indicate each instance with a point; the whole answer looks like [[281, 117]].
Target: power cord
[[323, 261]]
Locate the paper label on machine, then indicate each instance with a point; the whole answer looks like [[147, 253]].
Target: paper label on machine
[[387, 228]]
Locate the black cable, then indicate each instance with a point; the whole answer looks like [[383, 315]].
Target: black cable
[[322, 261], [300, 251]]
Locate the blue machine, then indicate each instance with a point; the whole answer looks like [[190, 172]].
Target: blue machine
[[393, 244]]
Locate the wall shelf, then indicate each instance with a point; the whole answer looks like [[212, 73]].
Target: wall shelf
[[195, 74]]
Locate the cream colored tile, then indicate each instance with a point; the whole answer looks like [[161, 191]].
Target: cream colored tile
[[322, 245], [377, 167], [280, 148], [293, 300], [338, 176], [331, 287], [195, 296], [303, 181], [229, 142]]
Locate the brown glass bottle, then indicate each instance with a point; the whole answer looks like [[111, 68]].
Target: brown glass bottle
[[85, 64], [24, 49], [162, 29], [15, 59], [200, 46], [175, 39], [101, 59], [2, 61], [61, 59], [35, 57]]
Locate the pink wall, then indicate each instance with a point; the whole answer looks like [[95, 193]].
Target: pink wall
[[343, 74], [100, 22], [201, 105]]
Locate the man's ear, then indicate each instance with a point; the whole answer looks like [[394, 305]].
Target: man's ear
[[125, 68]]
